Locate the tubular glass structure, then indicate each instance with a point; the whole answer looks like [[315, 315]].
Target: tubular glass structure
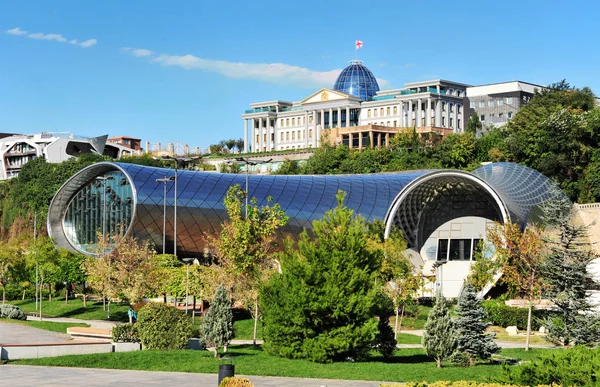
[[104, 205], [416, 202], [357, 80]]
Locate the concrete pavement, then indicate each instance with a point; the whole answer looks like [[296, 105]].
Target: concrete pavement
[[58, 376], [20, 334]]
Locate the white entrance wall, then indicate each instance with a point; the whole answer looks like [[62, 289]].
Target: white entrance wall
[[450, 275]]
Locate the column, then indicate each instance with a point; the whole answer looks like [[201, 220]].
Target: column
[[331, 118], [253, 136], [438, 113], [268, 134], [419, 121], [339, 120], [321, 126], [350, 140], [305, 129], [314, 128], [148, 147], [400, 115], [447, 115], [261, 137], [360, 138], [379, 140], [410, 116], [371, 143], [387, 139], [245, 136], [456, 128], [347, 116], [275, 134], [428, 113]]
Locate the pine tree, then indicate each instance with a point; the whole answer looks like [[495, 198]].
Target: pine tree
[[439, 335], [565, 273], [471, 325], [217, 329]]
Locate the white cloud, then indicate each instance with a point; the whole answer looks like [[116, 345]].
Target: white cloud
[[279, 73], [16, 31], [56, 37]]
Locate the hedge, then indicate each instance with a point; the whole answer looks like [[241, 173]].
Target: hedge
[[460, 383], [125, 333], [163, 327], [500, 314], [12, 312]]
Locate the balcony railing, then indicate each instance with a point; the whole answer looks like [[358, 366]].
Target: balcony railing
[[260, 110]]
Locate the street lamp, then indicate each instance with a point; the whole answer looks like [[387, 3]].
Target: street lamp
[[179, 162], [248, 162], [165, 180], [103, 180], [188, 262]]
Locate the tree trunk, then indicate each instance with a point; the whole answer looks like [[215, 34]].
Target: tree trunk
[[104, 302], [214, 350], [67, 294], [165, 298], [396, 325], [471, 360], [401, 318], [528, 325], [50, 292], [255, 320], [438, 360], [3, 293], [41, 298], [225, 348], [194, 310], [24, 294], [84, 299]]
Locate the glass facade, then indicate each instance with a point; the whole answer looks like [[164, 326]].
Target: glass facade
[[411, 201], [103, 206], [357, 80]]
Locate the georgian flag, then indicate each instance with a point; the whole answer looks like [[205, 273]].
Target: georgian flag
[[359, 44]]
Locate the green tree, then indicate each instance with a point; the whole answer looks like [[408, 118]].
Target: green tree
[[470, 327], [457, 151], [10, 259], [246, 243], [45, 255], [288, 167], [439, 333], [566, 276], [519, 255], [70, 269], [474, 125], [217, 329], [322, 306]]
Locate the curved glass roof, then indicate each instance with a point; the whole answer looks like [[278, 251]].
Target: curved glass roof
[[521, 188], [403, 199], [357, 80]]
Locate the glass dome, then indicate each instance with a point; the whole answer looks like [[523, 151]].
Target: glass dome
[[357, 80]]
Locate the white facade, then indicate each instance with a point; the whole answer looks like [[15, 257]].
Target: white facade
[[280, 125], [16, 150]]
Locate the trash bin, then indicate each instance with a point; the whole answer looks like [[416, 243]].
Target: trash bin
[[226, 369]]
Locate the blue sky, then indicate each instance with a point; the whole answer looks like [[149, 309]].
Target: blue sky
[[184, 71]]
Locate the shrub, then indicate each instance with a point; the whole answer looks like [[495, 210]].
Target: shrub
[[12, 312], [578, 366], [236, 382], [163, 327], [139, 305], [500, 314], [125, 333]]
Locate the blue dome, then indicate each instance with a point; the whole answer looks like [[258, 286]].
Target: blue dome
[[357, 80]]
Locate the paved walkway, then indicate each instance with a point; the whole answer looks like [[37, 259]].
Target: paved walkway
[[98, 324], [55, 376], [20, 334]]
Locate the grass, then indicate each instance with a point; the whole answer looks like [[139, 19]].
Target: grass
[[45, 325], [74, 309], [407, 365], [413, 322], [501, 335]]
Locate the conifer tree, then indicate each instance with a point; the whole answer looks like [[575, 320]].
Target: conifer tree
[[217, 329], [471, 325], [439, 335], [565, 273]]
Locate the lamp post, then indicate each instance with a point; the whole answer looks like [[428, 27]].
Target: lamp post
[[165, 180], [248, 162], [103, 180], [179, 162], [188, 262]]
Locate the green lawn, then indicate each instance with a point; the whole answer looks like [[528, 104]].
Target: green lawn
[[46, 325], [409, 322], [407, 365], [74, 309]]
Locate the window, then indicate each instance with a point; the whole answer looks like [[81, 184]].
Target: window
[[281, 123], [442, 253], [388, 123], [293, 136], [459, 107], [293, 122], [287, 122], [369, 113], [395, 124], [500, 115], [310, 133], [287, 136], [451, 123], [473, 104], [395, 110], [509, 115], [482, 118], [381, 110], [500, 101], [460, 250], [299, 135], [458, 124], [310, 119], [491, 103], [374, 112], [280, 136], [451, 108], [509, 100], [443, 106], [481, 104], [388, 111], [444, 122]]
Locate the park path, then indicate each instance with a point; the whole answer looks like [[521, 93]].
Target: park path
[[21, 334], [98, 324], [66, 376]]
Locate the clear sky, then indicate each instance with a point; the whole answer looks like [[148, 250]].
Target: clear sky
[[185, 71]]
